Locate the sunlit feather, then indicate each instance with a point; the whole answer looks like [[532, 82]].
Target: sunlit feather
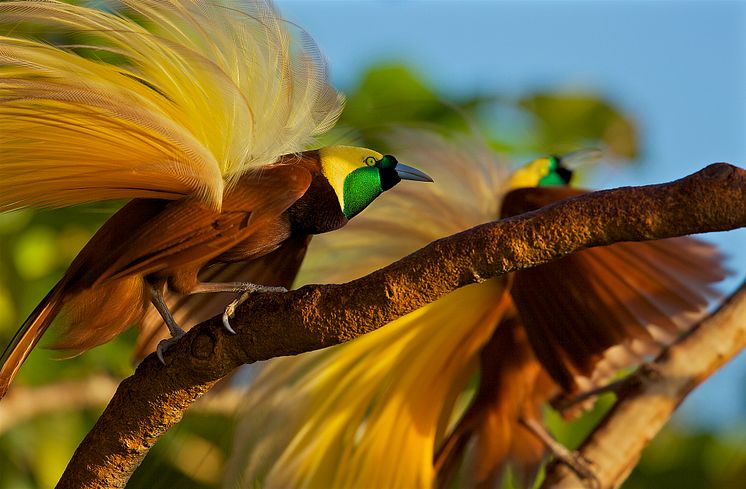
[[172, 98]]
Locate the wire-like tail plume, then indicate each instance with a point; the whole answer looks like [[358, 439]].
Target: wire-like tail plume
[[28, 336]]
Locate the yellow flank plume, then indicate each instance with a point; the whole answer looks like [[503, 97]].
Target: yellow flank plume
[[369, 413], [348, 412], [157, 98]]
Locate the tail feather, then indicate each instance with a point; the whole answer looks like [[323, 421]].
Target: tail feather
[[28, 335], [94, 316]]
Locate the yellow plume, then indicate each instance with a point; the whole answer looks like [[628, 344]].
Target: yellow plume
[[173, 98]]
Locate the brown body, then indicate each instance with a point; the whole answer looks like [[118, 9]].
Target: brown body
[[166, 244]]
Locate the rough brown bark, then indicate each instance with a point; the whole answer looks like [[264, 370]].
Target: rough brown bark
[[147, 404]]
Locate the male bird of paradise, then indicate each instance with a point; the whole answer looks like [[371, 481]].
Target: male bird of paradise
[[198, 111], [392, 408]]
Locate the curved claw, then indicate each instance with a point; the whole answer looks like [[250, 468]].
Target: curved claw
[[249, 289], [164, 345], [227, 322]]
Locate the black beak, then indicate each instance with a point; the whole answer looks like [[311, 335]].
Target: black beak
[[408, 173]]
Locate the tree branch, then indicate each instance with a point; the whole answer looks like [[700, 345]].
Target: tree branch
[[147, 404], [648, 398]]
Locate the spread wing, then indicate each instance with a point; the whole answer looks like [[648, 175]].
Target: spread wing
[[635, 294], [186, 232], [150, 98]]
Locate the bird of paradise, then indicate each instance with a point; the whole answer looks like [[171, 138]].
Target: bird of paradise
[[394, 408], [201, 112]]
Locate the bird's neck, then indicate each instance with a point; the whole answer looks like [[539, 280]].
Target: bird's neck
[[318, 210]]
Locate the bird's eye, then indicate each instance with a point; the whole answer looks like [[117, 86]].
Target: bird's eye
[[370, 161]]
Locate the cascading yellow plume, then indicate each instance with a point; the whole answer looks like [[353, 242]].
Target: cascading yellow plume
[[172, 98]]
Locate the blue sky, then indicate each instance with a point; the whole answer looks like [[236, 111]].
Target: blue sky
[[678, 67]]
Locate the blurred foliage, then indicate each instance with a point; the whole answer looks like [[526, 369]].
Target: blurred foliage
[[36, 246], [190, 456], [391, 95], [692, 460], [563, 120]]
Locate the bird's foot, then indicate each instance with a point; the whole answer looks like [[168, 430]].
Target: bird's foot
[[248, 290], [572, 459], [578, 464], [165, 344], [156, 297]]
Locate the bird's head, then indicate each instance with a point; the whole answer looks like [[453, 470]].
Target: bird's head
[[359, 175], [542, 172], [552, 170]]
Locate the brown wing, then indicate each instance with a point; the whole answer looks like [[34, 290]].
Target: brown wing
[[186, 231], [278, 268], [512, 386], [636, 295]]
